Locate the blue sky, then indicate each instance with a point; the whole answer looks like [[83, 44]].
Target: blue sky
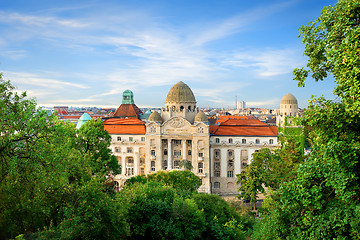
[[86, 53]]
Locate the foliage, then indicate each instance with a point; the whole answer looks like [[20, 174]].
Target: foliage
[[186, 164], [181, 180], [322, 202], [156, 211], [222, 221], [45, 173]]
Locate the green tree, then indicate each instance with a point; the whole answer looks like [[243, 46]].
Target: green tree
[[157, 211], [322, 202], [46, 176]]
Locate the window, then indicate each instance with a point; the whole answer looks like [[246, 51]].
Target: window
[[142, 171], [216, 185], [117, 150], [200, 154], [243, 141], [130, 160], [271, 141], [189, 152], [217, 174], [217, 153], [257, 141], [230, 164], [143, 139], [152, 152], [177, 142], [200, 130], [153, 166], [188, 142], [230, 153], [176, 164], [165, 164], [142, 161], [165, 152], [129, 171], [119, 139], [217, 165], [152, 129], [177, 153], [230, 140], [217, 140], [131, 139], [129, 150], [201, 167], [230, 174]]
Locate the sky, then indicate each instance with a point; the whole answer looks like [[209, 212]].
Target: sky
[[87, 52]]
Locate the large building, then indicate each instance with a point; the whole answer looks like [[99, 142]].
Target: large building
[[181, 133], [288, 109]]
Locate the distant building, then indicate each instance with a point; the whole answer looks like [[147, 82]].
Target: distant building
[[288, 109], [241, 105], [181, 132]]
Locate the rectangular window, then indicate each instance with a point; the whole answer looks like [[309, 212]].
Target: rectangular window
[[129, 150], [243, 141], [217, 153], [153, 166], [130, 160], [189, 152], [142, 160], [176, 164], [230, 174], [230, 140], [143, 139], [188, 142], [257, 141], [217, 174], [217, 140], [119, 139], [131, 139], [117, 150], [152, 152], [231, 153], [177, 153], [217, 165], [165, 152], [177, 142], [201, 167], [216, 185], [142, 171], [201, 154]]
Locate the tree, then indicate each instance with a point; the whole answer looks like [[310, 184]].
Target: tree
[[322, 202], [157, 211], [47, 179]]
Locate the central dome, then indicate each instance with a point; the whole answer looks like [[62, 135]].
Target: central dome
[[180, 93]]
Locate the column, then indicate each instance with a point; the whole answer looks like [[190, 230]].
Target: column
[[123, 167], [184, 149], [136, 161], [169, 155]]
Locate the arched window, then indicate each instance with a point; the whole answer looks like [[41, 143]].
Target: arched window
[[271, 141], [243, 141], [257, 141], [181, 108]]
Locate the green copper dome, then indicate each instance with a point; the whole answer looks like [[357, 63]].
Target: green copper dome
[[128, 97], [82, 120], [180, 93]]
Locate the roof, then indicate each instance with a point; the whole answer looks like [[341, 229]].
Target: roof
[[223, 118], [124, 126], [289, 99], [128, 111], [180, 93], [155, 117], [201, 117], [83, 119], [243, 127]]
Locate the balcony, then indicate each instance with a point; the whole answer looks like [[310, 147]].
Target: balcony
[[200, 158], [152, 157]]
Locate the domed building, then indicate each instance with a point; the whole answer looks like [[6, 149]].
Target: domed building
[[181, 132], [288, 108]]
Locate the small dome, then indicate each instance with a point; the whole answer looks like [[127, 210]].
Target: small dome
[[155, 117], [201, 117], [82, 120], [289, 99], [180, 93]]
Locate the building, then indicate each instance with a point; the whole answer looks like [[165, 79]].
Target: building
[[181, 132], [288, 109]]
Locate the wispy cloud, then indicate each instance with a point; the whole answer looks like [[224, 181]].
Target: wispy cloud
[[36, 80], [266, 63]]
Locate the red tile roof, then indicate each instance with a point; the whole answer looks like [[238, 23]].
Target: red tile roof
[[124, 126], [128, 110], [223, 118], [243, 127]]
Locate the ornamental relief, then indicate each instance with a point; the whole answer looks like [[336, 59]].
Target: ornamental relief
[[177, 123]]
